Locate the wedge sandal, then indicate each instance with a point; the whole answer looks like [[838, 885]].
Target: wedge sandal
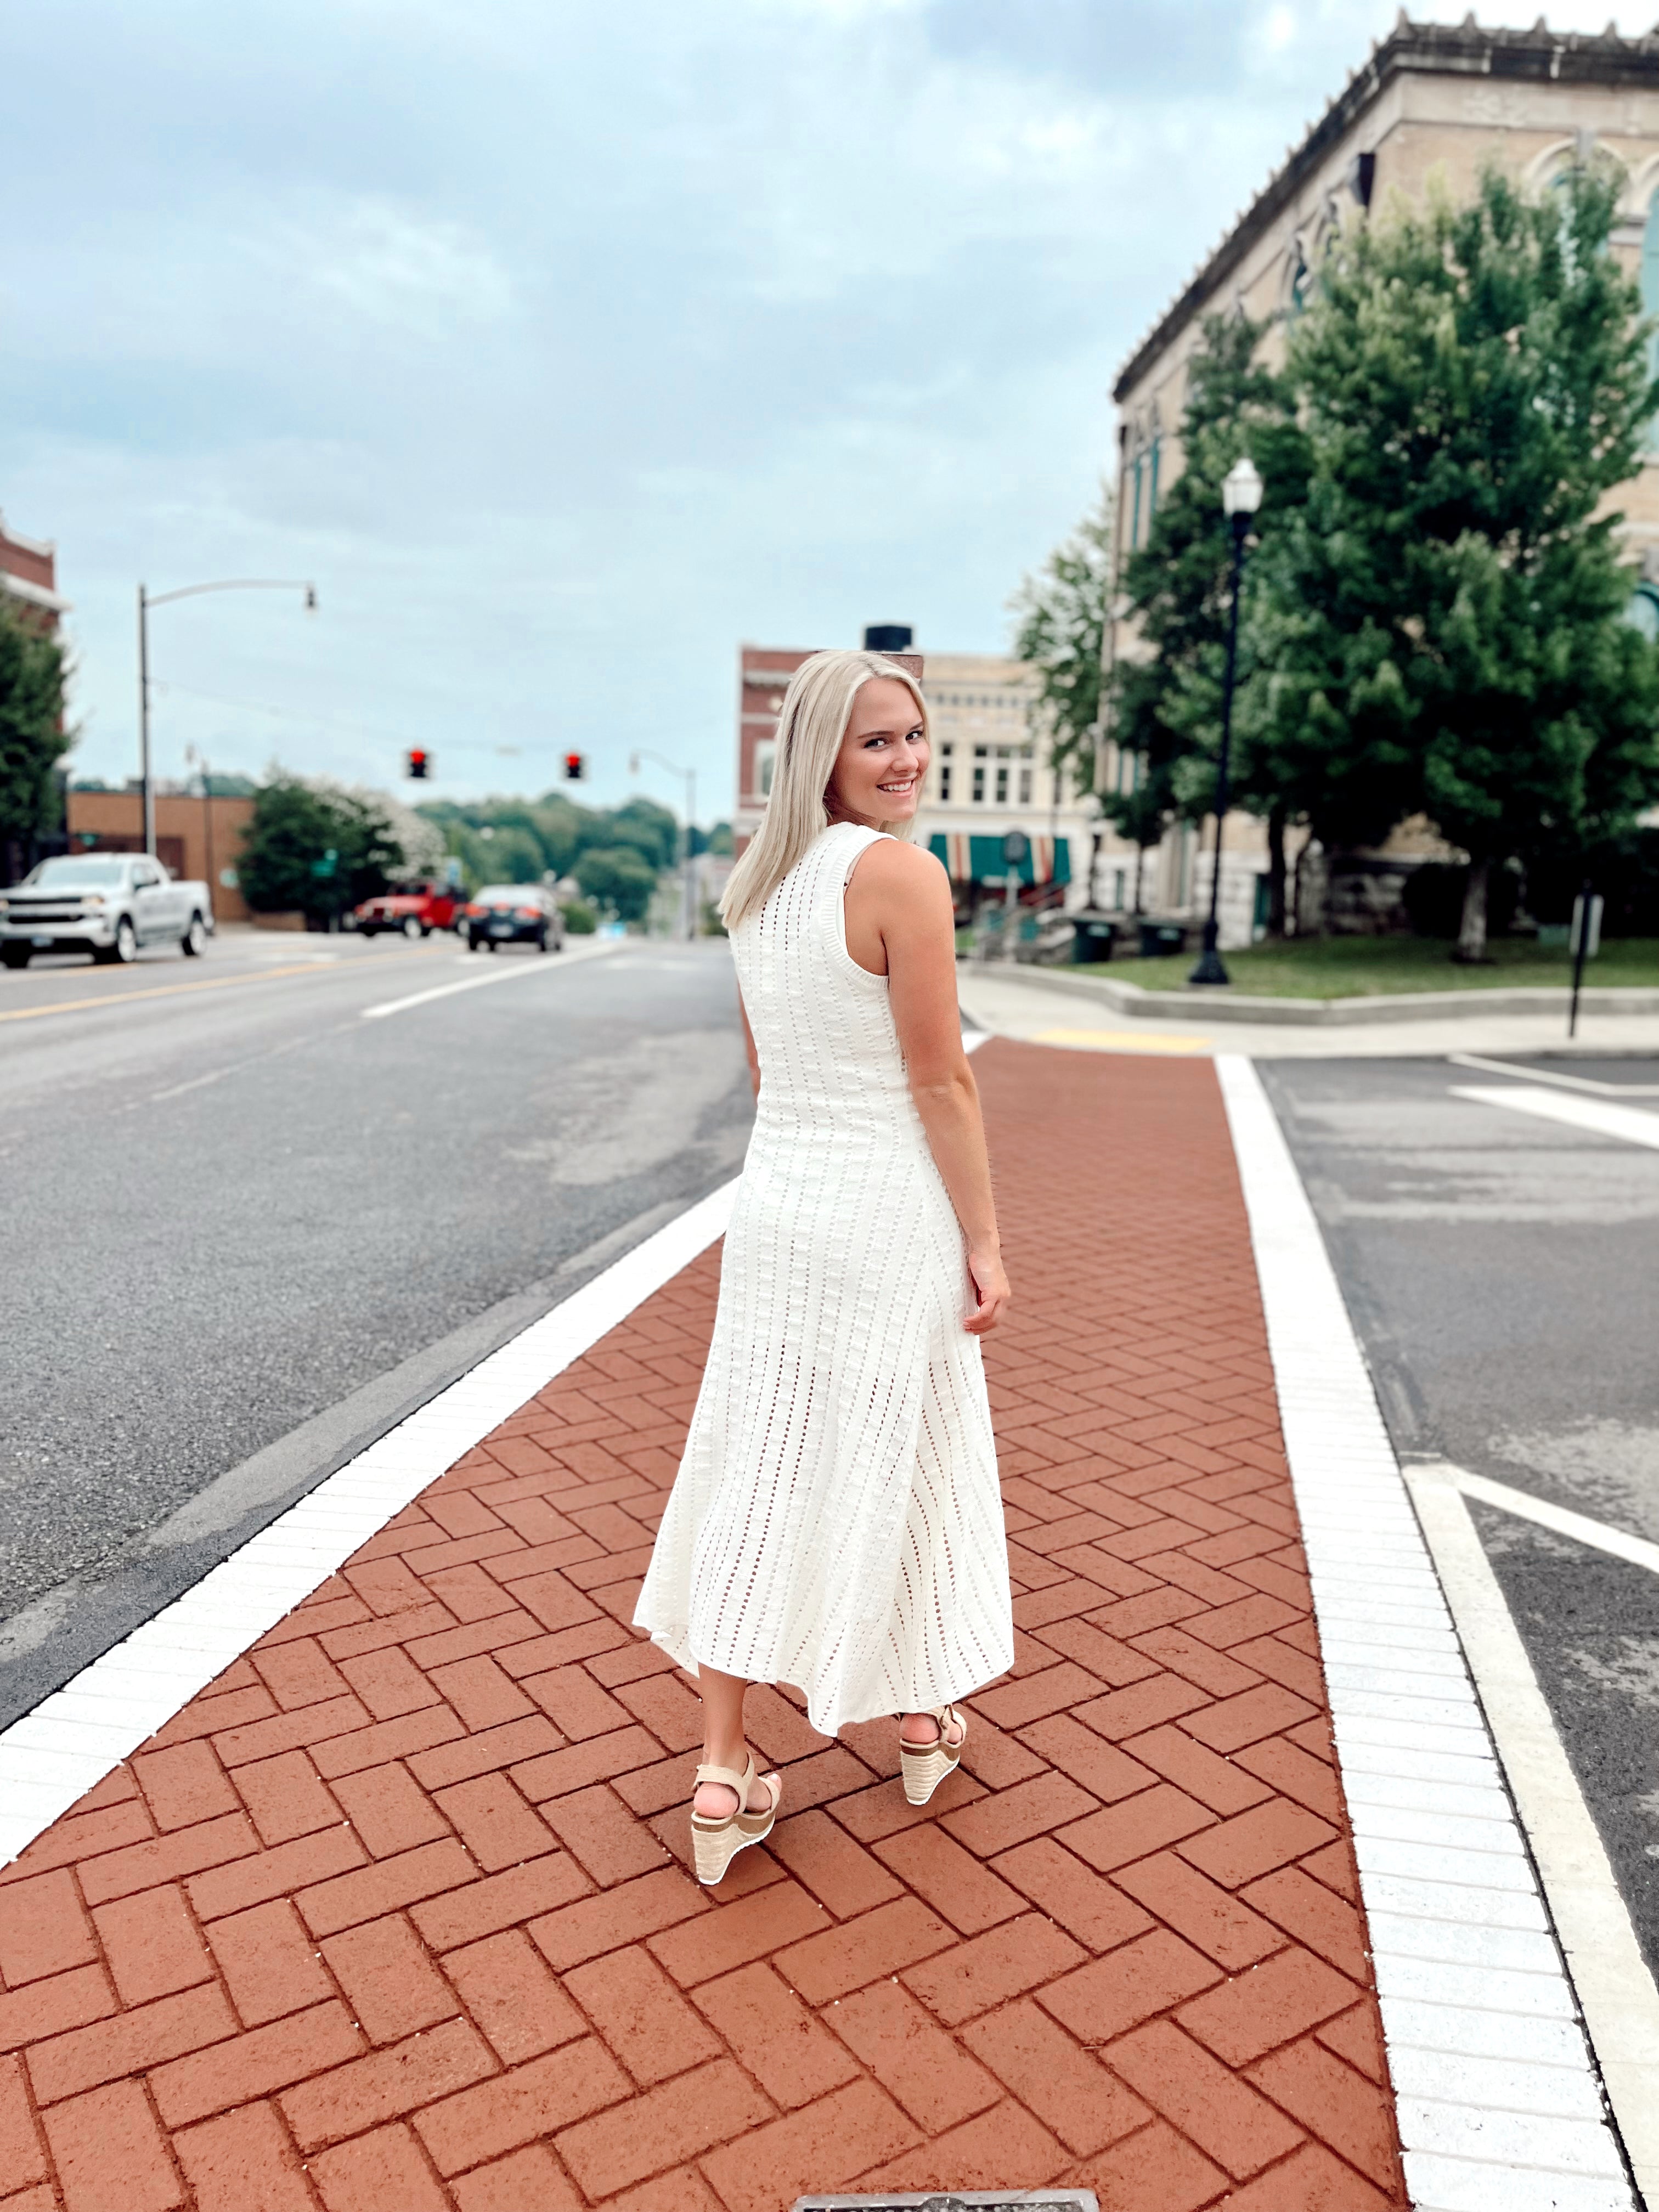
[[925, 1765], [716, 1843]]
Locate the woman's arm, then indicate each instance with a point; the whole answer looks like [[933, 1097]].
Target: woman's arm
[[899, 911], [749, 1046]]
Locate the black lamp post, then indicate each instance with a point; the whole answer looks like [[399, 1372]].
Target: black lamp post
[[1241, 495]]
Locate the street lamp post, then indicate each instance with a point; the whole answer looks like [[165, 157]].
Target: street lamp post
[[689, 897], [1241, 495], [146, 601]]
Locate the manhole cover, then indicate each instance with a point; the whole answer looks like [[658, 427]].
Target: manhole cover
[[964, 2200]]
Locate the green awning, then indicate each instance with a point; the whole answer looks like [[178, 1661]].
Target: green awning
[[970, 859]]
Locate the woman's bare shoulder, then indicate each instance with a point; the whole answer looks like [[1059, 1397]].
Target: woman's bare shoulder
[[891, 866]]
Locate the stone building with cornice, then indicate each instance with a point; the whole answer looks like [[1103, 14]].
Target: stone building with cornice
[[1431, 101]]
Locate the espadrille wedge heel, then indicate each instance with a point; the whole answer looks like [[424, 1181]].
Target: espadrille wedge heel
[[716, 1843], [925, 1765]]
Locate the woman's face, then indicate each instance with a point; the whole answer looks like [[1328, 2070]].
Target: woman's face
[[883, 760]]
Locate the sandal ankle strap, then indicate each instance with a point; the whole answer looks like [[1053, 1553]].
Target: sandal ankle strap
[[730, 1778]]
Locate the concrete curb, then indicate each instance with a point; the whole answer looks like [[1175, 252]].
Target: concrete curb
[[1319, 1013]]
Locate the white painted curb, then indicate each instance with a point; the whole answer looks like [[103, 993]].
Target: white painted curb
[[71, 1740], [1499, 2107]]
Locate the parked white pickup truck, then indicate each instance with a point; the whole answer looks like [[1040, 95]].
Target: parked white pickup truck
[[105, 903]]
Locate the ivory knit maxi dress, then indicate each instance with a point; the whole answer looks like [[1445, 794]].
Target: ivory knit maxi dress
[[837, 1522]]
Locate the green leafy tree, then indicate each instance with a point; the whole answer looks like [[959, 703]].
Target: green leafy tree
[[32, 738], [1060, 618], [295, 826], [1177, 586], [1443, 616], [619, 876]]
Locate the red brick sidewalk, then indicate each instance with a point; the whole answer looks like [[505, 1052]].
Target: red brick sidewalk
[[394, 1918]]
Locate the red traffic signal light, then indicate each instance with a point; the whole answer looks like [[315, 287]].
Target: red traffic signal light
[[418, 764], [575, 768]]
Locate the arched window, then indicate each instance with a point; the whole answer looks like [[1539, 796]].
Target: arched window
[[1301, 281], [1650, 283], [1642, 613]]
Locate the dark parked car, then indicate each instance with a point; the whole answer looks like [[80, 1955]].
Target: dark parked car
[[508, 913]]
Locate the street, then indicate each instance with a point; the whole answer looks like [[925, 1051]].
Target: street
[[261, 1203], [1499, 1268]]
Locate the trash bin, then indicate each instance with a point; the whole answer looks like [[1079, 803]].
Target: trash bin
[[1158, 939], [1090, 940]]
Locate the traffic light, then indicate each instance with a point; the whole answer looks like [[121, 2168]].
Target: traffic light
[[575, 768], [418, 764]]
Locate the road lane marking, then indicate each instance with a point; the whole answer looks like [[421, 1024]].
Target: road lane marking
[[70, 1741], [1547, 1075], [1375, 1585], [536, 966], [1616, 1992], [1598, 1115], [196, 1083], [176, 990], [1597, 1534]]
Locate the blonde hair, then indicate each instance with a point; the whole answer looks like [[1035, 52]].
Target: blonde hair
[[817, 708]]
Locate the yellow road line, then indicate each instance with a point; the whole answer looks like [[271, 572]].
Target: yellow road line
[[1120, 1041], [174, 990]]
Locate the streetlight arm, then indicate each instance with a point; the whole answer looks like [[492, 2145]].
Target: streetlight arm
[[239, 584], [643, 752]]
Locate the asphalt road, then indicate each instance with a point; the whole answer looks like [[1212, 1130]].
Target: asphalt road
[[247, 1224], [1500, 1271]]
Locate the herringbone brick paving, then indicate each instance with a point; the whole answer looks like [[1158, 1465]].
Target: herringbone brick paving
[[395, 1917]]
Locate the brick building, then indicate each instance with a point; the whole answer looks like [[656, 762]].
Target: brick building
[[195, 837], [1430, 99], [28, 577]]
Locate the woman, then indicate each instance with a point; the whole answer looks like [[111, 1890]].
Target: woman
[[837, 1522]]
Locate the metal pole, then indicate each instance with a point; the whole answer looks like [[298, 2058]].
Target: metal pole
[[690, 863], [1580, 953], [207, 831], [146, 785], [1211, 967]]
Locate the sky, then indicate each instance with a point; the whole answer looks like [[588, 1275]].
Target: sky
[[566, 347]]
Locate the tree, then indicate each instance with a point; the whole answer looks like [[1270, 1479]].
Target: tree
[[1178, 587], [295, 825], [1060, 616], [1443, 616], [32, 738], [619, 876]]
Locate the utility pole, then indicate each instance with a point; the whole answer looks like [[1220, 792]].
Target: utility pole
[[190, 754], [688, 888], [146, 782]]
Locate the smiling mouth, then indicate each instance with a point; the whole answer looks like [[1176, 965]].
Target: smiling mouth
[[909, 784]]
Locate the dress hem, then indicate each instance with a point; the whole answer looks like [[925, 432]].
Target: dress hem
[[676, 1642]]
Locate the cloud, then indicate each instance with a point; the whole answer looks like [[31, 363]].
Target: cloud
[[568, 347]]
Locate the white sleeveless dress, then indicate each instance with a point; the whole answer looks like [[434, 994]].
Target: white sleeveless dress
[[837, 1522]]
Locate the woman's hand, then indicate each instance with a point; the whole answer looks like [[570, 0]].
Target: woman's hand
[[990, 1283]]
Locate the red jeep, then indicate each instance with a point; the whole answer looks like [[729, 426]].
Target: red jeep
[[414, 911]]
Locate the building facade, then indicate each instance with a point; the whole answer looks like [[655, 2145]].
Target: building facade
[[988, 773], [28, 577], [1432, 102]]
